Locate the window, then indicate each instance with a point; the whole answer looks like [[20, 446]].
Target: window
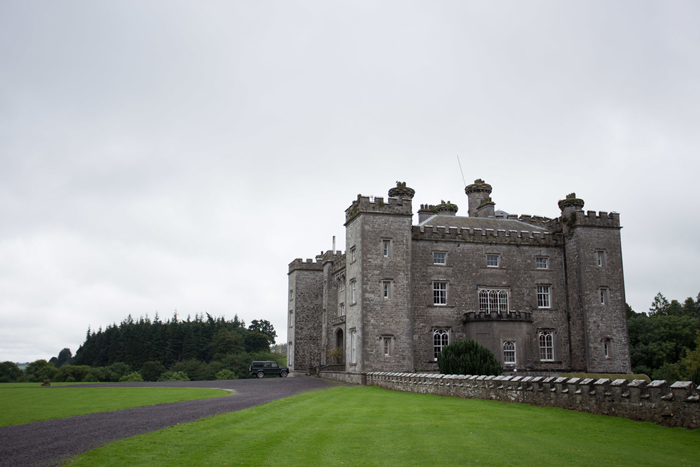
[[291, 294], [341, 309], [342, 284], [439, 257], [291, 318], [386, 245], [600, 258], [353, 346], [543, 296], [493, 300], [542, 263], [492, 261], [546, 346], [353, 256], [386, 289], [290, 354], [603, 293], [606, 349], [441, 338], [509, 352], [353, 291], [387, 345], [440, 293]]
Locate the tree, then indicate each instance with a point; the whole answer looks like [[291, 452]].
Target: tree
[[265, 327], [226, 342], [9, 372], [64, 357], [40, 370], [692, 361], [256, 342], [467, 357], [659, 306], [151, 371]]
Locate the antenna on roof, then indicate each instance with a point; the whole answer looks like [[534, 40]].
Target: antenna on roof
[[460, 171]]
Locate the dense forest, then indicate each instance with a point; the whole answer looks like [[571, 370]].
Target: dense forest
[[155, 350], [665, 342]]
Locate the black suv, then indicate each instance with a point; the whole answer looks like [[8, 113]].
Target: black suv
[[261, 369]]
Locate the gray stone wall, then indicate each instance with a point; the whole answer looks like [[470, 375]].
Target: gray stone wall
[[674, 406], [306, 305]]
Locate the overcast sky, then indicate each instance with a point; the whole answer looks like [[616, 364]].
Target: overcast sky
[[159, 155]]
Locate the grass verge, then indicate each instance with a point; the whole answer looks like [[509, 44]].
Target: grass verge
[[26, 405], [369, 426]]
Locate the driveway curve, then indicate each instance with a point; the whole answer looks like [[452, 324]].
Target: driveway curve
[[51, 442]]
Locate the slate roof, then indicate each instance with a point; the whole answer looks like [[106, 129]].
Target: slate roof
[[480, 223]]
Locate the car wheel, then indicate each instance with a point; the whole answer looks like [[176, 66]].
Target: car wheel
[[283, 374], [260, 374]]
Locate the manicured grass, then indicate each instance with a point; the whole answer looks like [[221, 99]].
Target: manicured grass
[[35, 385], [26, 405], [367, 426]]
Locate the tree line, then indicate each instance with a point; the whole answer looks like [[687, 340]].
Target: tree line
[[665, 342], [155, 350]]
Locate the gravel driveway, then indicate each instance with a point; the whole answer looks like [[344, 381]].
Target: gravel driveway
[[52, 441]]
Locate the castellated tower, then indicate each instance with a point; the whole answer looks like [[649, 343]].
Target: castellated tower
[[595, 288], [379, 324]]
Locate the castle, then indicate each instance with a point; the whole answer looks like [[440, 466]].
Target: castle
[[544, 295]]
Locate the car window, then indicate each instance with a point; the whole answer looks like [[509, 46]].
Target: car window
[[267, 365], [274, 365]]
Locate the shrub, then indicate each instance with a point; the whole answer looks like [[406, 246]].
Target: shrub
[[134, 377], [151, 371], [467, 357], [195, 370], [72, 373], [173, 376], [40, 370], [9, 372], [226, 374]]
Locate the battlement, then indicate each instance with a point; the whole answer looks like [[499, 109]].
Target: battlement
[[308, 265], [477, 235], [376, 205], [587, 219], [674, 405]]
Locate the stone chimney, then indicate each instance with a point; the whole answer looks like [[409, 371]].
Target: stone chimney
[[401, 191], [570, 204], [480, 203], [443, 209]]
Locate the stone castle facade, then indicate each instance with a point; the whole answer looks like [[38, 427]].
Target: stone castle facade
[[542, 294]]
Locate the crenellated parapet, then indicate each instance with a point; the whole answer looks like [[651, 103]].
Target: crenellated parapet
[[586, 219], [674, 405], [376, 205], [306, 265], [492, 236]]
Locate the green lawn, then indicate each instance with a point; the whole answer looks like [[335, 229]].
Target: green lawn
[[26, 405], [348, 426]]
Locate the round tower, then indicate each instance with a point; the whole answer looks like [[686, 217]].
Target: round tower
[[479, 194]]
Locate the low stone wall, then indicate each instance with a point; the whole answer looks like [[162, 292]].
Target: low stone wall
[[674, 405], [346, 377]]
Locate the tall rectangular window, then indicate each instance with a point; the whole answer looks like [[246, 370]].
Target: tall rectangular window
[[386, 289], [439, 293], [603, 292], [386, 245], [353, 256], [509, 352], [341, 309], [492, 261], [353, 346], [291, 318], [541, 263], [441, 338], [546, 339], [353, 291], [291, 294], [606, 349], [543, 296], [600, 258], [386, 344], [439, 257]]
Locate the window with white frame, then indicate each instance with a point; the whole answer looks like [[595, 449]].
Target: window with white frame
[[439, 257], [353, 255], [341, 309], [603, 295], [353, 291], [600, 258], [386, 289], [546, 339], [386, 248], [440, 293], [290, 354], [291, 318], [353, 346], [441, 338], [342, 284], [386, 345], [543, 300], [509, 352], [493, 300], [492, 261], [291, 294], [606, 348], [542, 263]]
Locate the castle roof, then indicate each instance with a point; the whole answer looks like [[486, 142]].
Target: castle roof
[[494, 223]]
